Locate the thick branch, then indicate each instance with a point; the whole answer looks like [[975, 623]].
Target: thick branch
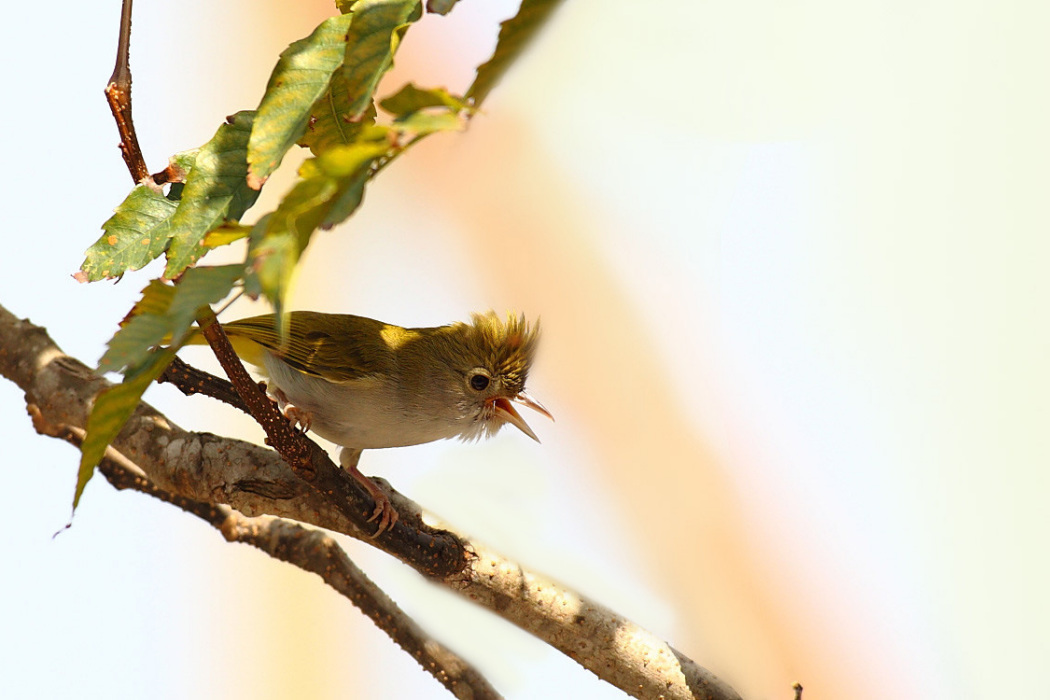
[[309, 549], [254, 480]]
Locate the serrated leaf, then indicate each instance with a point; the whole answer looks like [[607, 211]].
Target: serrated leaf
[[111, 410], [165, 313], [412, 98], [136, 234], [514, 35], [330, 188], [300, 78], [216, 190], [372, 41]]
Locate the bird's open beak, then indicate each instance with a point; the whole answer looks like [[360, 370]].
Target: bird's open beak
[[505, 411]]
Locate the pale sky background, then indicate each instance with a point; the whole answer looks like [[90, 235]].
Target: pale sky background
[[791, 263]]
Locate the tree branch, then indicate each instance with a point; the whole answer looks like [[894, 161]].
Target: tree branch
[[310, 550], [118, 95], [254, 480], [190, 380]]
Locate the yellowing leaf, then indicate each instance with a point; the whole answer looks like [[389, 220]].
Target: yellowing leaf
[[137, 233], [111, 410], [411, 98], [300, 78], [225, 234], [215, 191], [164, 314], [371, 43]]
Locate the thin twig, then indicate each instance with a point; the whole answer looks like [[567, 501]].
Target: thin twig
[[118, 95], [190, 380]]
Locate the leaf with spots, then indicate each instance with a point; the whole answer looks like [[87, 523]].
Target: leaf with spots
[[216, 191], [136, 234], [374, 37], [332, 123], [299, 80]]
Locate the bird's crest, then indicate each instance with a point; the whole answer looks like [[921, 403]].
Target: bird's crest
[[506, 346]]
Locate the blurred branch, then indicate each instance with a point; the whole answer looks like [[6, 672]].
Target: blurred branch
[[211, 470]]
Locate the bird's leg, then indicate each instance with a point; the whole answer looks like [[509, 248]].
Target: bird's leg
[[384, 511], [296, 415]]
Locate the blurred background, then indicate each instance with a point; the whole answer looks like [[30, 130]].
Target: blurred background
[[791, 264]]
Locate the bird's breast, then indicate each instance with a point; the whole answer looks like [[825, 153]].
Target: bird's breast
[[365, 413]]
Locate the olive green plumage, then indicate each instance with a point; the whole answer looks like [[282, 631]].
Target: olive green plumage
[[342, 347], [364, 384]]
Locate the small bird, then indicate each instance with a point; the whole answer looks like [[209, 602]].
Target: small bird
[[364, 384]]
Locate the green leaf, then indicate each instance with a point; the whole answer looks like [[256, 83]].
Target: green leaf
[[300, 78], [348, 197], [226, 234], [181, 164], [330, 188], [145, 326], [331, 121], [137, 233], [372, 41], [412, 98], [164, 314], [421, 123], [514, 34], [199, 287], [111, 410], [215, 191], [273, 258]]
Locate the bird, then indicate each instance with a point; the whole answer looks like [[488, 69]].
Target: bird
[[364, 384]]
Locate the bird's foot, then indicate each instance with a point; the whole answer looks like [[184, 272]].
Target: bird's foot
[[299, 418], [384, 511]]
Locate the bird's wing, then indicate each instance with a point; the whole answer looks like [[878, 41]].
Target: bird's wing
[[336, 348]]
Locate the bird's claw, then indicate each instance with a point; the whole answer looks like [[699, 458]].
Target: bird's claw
[[298, 417], [384, 512]]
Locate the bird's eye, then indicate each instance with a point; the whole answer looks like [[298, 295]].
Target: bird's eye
[[479, 382]]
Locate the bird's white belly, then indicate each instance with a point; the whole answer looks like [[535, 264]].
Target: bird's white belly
[[365, 413]]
